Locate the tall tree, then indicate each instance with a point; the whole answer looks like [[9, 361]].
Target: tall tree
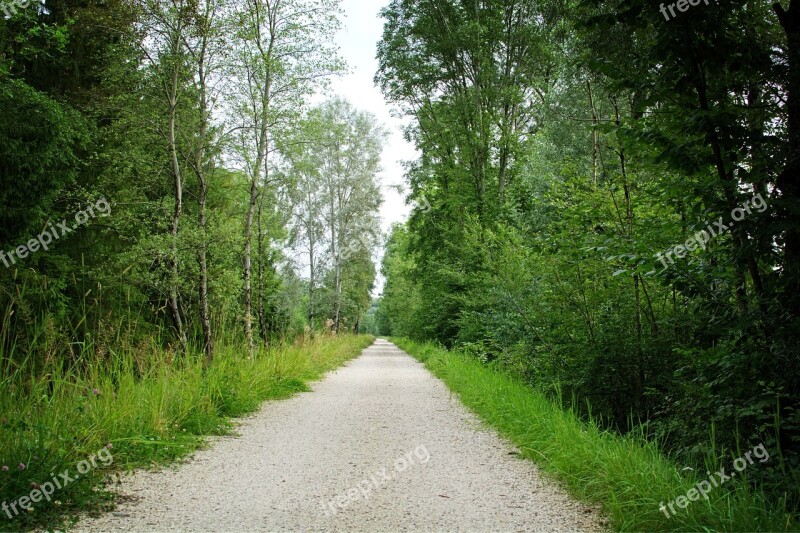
[[305, 192], [168, 27], [208, 52], [286, 53], [474, 76], [350, 147]]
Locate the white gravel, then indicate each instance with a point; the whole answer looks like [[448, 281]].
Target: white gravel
[[379, 445]]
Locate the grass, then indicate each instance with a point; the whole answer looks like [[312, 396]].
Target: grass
[[627, 476], [138, 411]]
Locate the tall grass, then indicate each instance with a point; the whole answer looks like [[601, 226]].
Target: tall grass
[[145, 408], [628, 476]]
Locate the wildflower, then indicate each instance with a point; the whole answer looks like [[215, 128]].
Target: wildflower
[[4, 468], [109, 445], [96, 392], [21, 466], [34, 485]]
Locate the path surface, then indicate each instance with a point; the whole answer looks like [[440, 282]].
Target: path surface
[[380, 445]]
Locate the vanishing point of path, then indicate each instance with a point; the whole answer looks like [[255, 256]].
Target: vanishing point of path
[[379, 445]]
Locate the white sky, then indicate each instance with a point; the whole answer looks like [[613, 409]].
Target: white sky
[[361, 30]]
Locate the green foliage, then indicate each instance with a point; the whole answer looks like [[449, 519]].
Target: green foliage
[[332, 163], [41, 142], [398, 308], [541, 252]]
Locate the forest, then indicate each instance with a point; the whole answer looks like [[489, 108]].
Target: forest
[[177, 186], [224, 178], [605, 209], [614, 214]]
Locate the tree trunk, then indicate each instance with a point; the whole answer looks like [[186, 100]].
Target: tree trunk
[[202, 180], [262, 315], [626, 187], [337, 272], [205, 314], [255, 187], [248, 269], [729, 187], [173, 303], [338, 313], [311, 286], [336, 260], [255, 191]]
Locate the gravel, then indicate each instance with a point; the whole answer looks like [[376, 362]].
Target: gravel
[[379, 445]]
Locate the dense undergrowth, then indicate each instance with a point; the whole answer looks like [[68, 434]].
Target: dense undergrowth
[[627, 476], [137, 411]]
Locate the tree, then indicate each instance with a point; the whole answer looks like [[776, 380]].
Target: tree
[[305, 191], [474, 76], [350, 146], [285, 53], [333, 162]]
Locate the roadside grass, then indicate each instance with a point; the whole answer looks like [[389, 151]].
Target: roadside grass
[[141, 409], [626, 475]]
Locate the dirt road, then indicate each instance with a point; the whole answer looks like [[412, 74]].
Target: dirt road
[[379, 445]]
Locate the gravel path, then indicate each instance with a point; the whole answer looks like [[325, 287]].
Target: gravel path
[[379, 445]]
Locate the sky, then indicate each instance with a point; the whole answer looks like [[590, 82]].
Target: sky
[[361, 30]]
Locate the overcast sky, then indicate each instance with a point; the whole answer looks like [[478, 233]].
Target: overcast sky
[[362, 27]]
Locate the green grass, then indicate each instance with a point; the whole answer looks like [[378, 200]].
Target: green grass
[[143, 408], [627, 476]]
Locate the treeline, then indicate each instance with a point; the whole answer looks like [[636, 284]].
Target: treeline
[[614, 210], [192, 121]]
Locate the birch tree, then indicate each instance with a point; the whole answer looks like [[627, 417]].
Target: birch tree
[[350, 149], [166, 25], [306, 195], [285, 54], [208, 51]]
